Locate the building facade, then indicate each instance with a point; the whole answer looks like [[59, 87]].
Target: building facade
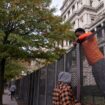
[[88, 14]]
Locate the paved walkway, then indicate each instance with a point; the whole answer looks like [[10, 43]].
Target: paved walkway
[[7, 100]]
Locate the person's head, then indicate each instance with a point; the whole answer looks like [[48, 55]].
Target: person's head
[[79, 31], [64, 77]]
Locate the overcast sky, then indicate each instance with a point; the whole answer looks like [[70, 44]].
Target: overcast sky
[[57, 4]]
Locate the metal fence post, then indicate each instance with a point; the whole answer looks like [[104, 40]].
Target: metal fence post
[[56, 72], [38, 89], [64, 62], [78, 71], [46, 87]]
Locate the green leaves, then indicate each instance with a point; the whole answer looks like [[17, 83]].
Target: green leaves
[[30, 26], [13, 69], [29, 30]]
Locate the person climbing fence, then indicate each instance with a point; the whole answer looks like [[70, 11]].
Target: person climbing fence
[[94, 56]]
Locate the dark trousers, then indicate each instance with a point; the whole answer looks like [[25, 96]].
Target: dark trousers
[[12, 94], [98, 70]]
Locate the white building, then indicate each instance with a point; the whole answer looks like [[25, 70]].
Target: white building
[[88, 14]]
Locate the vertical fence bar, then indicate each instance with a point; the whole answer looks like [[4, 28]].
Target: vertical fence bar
[[28, 82], [55, 72], [60, 64], [64, 62], [46, 86], [37, 101], [30, 85], [50, 82], [35, 87], [103, 33], [78, 71], [32, 89]]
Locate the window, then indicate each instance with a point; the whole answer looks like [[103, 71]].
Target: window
[[99, 31], [92, 19], [73, 7], [81, 19], [68, 12], [73, 23], [64, 17]]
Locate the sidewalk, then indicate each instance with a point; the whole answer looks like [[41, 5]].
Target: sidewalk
[[7, 100]]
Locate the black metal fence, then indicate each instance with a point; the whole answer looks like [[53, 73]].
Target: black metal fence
[[36, 88]]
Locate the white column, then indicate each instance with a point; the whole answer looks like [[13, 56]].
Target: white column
[[76, 7], [95, 29], [76, 23], [79, 23], [85, 18], [89, 19], [67, 43], [71, 11], [102, 24], [64, 43]]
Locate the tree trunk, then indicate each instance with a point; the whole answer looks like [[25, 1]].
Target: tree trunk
[[2, 67]]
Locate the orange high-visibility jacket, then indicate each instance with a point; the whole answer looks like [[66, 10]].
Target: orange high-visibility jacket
[[90, 48]]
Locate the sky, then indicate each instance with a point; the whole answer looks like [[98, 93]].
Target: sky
[[57, 4]]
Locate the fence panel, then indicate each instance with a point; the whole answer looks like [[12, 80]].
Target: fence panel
[[50, 83], [42, 86], [31, 89], [36, 89]]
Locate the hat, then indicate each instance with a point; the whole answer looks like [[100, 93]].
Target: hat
[[64, 77]]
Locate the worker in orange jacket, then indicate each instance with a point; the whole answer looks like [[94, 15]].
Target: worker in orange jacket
[[93, 54]]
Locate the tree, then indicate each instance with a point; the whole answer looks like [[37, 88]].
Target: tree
[[13, 69], [28, 30]]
